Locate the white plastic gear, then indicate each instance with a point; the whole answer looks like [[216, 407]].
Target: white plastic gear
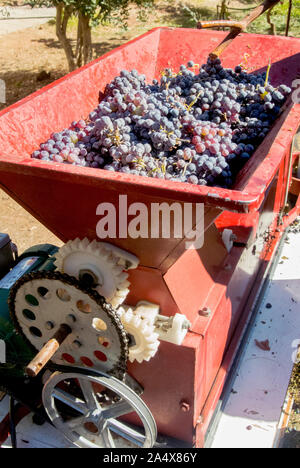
[[143, 331], [103, 260]]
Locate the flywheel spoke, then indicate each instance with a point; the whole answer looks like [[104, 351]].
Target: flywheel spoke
[[108, 438], [126, 431], [70, 400], [88, 393], [116, 409]]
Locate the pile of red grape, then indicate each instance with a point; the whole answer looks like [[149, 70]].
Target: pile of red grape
[[200, 125]]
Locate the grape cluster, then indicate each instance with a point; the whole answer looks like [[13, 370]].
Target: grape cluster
[[200, 125]]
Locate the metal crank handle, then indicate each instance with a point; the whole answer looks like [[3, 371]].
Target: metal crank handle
[[47, 352], [220, 24], [236, 26]]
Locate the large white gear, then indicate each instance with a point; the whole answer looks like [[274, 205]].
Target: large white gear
[[143, 331], [103, 261]]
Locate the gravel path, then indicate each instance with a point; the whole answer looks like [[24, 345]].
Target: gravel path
[[14, 19]]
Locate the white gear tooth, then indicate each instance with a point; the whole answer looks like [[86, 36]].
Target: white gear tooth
[[136, 321], [94, 244], [151, 338], [93, 248], [97, 247], [126, 292], [125, 285], [121, 263], [59, 261], [115, 259], [104, 251], [89, 249], [122, 293], [128, 315], [110, 260], [147, 330], [152, 346], [111, 256], [116, 302], [117, 271], [125, 318], [120, 311], [76, 244], [122, 277], [85, 243]]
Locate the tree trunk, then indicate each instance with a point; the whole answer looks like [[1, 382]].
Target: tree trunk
[[79, 46], [84, 52], [272, 25], [63, 15]]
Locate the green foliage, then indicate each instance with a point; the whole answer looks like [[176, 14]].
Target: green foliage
[[40, 3], [279, 18], [90, 13], [282, 8], [100, 11], [191, 14]]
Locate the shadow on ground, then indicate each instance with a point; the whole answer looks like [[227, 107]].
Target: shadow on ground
[[21, 83]]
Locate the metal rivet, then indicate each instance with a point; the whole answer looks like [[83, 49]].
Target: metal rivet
[[77, 344], [200, 420], [49, 325], [205, 312], [71, 317], [184, 406]]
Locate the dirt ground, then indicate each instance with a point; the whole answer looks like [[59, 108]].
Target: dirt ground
[[24, 230]]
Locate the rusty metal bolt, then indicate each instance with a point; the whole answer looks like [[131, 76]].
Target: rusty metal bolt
[[184, 406], [205, 312]]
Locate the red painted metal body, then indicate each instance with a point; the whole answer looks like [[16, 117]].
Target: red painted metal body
[[65, 198]]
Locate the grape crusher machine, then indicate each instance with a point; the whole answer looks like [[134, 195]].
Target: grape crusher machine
[[141, 332]]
